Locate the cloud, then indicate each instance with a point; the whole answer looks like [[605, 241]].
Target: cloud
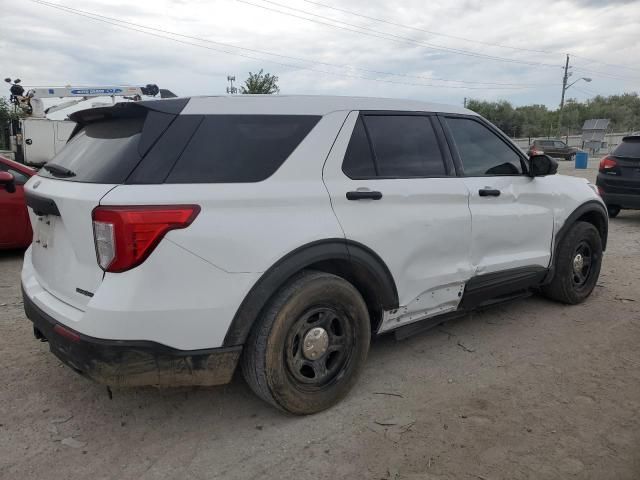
[[46, 46]]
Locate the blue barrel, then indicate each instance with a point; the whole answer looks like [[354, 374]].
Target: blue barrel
[[582, 159]]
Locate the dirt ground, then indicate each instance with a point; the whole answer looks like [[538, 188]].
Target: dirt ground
[[532, 389]]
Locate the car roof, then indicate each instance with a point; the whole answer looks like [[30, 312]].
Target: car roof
[[18, 166], [308, 105]]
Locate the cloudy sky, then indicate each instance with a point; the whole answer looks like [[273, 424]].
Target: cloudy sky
[[431, 50]]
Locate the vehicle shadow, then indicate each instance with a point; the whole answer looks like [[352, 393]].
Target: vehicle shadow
[[12, 254], [236, 400], [216, 429], [627, 217]]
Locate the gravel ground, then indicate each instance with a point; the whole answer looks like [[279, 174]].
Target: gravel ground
[[531, 389]]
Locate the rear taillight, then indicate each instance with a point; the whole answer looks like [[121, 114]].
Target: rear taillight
[[607, 163], [126, 235]]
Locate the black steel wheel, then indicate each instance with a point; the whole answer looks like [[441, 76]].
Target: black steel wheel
[[578, 258], [305, 352], [318, 346], [582, 257]]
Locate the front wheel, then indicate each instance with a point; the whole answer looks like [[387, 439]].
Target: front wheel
[[577, 265], [307, 349]]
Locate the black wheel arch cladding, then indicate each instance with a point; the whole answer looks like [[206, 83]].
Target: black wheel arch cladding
[[592, 212], [363, 264]]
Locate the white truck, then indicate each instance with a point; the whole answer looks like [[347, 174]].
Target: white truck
[[35, 139], [41, 139]]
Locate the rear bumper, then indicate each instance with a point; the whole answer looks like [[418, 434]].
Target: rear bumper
[[623, 192], [622, 201], [132, 363]]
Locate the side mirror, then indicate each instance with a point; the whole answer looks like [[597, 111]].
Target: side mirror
[[7, 181], [541, 165]]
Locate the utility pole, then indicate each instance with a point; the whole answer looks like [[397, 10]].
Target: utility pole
[[231, 89], [465, 102], [564, 89]]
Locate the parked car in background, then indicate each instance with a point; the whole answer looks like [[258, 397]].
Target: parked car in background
[[554, 148], [619, 176], [15, 228], [177, 239]]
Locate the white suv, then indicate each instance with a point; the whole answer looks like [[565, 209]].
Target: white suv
[[176, 238]]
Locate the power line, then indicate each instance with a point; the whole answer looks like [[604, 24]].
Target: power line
[[389, 36], [124, 24], [604, 74], [263, 52], [398, 38], [510, 47], [591, 94], [617, 65], [388, 22]]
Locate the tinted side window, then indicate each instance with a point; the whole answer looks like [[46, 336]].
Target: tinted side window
[[405, 146], [358, 161], [240, 148], [559, 144], [481, 151]]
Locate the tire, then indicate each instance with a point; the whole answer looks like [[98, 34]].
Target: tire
[[572, 157], [572, 284], [613, 210], [278, 363]]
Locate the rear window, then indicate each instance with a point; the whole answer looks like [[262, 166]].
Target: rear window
[[630, 147], [240, 148], [102, 152]]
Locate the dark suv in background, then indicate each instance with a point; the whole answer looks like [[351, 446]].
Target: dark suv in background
[[619, 176], [553, 148]]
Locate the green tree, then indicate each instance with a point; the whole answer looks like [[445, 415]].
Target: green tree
[[538, 121], [7, 114], [500, 113], [6, 111], [260, 83]]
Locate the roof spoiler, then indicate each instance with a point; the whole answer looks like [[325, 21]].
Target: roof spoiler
[[128, 110]]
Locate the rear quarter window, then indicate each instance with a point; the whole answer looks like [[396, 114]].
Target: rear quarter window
[[240, 148]]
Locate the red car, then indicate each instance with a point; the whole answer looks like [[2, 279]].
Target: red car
[[15, 228]]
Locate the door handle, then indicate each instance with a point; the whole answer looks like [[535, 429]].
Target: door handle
[[363, 195], [489, 192]]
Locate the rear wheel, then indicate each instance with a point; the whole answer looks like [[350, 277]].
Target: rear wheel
[[613, 210], [309, 345], [572, 157], [578, 261]]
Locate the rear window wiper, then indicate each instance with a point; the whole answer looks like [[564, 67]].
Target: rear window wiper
[[59, 170]]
